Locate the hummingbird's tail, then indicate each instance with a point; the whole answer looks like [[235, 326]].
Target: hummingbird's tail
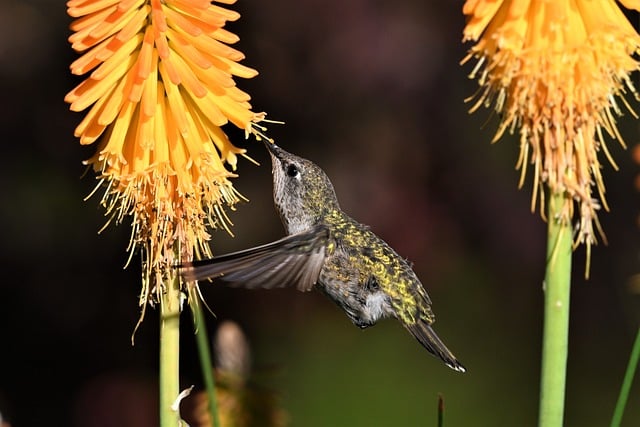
[[425, 334]]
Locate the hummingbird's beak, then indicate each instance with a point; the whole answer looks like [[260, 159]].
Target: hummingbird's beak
[[274, 150]]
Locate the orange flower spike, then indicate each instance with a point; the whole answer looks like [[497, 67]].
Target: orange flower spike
[[161, 84], [554, 71]]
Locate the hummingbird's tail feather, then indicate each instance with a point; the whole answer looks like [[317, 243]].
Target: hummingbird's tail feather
[[425, 334]]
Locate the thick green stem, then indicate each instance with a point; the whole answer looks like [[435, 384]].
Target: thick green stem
[[626, 383], [557, 286], [170, 354], [202, 338]]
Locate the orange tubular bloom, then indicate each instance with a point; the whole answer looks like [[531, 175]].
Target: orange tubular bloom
[[161, 84], [555, 71]]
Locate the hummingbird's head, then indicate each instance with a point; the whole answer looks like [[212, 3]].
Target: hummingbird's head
[[302, 191]]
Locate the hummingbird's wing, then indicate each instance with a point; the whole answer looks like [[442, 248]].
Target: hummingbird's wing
[[295, 260]]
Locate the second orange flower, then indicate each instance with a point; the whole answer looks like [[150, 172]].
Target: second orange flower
[[556, 72]]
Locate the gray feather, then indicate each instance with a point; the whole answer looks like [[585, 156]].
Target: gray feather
[[294, 261]]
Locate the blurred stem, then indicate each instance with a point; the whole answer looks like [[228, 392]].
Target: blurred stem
[[557, 285], [202, 338], [169, 353], [626, 383], [440, 411]]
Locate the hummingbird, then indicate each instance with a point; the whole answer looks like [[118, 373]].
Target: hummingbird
[[328, 250]]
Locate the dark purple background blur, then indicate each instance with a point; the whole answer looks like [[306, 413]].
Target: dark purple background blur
[[373, 92]]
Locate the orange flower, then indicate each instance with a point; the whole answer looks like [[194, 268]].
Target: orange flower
[[556, 72], [161, 85]]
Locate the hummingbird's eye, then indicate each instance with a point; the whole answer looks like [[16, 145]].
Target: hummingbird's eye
[[292, 170]]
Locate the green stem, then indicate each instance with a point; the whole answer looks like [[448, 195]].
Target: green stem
[[169, 353], [626, 383], [202, 338], [557, 284]]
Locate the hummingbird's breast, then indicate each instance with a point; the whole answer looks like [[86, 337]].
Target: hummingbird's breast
[[366, 277]]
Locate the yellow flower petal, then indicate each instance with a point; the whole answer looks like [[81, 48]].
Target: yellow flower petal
[[91, 20], [117, 60], [81, 8]]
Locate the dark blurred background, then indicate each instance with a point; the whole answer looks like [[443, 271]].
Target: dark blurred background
[[373, 92]]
